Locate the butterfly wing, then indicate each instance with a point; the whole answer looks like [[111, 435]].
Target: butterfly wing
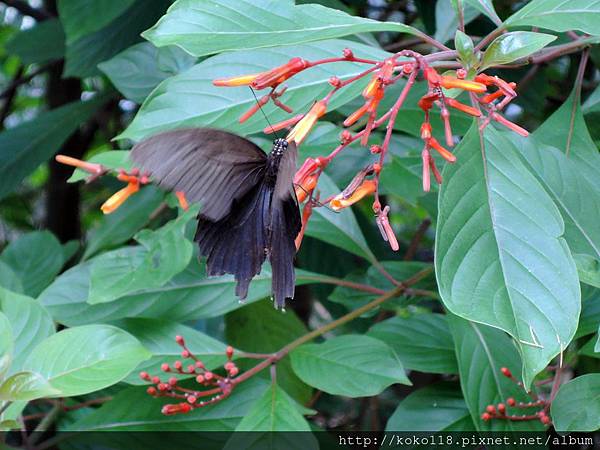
[[211, 167], [285, 224]]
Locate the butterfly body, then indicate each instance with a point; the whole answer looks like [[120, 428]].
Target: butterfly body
[[249, 212]]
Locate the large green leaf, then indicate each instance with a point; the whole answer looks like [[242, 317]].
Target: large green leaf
[[9, 279], [588, 269], [7, 344], [559, 15], [36, 258], [576, 198], [163, 253], [212, 26], [120, 226], [84, 53], [274, 412], [260, 328], [422, 342], [576, 406], [25, 147], [446, 19], [500, 258], [350, 365], [41, 44], [438, 407], [512, 46], [337, 228], [118, 414], [83, 17], [30, 324], [567, 131], [158, 336], [85, 359], [26, 386], [481, 352], [136, 71], [589, 320], [190, 99], [187, 296]]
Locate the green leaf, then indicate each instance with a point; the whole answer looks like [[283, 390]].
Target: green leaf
[[402, 177], [446, 19], [83, 17], [187, 296], [500, 258], [576, 406], [591, 348], [9, 279], [85, 53], [575, 197], [466, 50], [120, 226], [85, 359], [275, 411], [512, 46], [26, 146], [481, 352], [190, 99], [214, 26], [574, 141], [6, 425], [337, 228], [30, 324], [114, 159], [588, 269], [592, 103], [136, 71], [163, 254], [260, 328], [350, 365], [26, 386], [158, 337], [43, 43], [485, 7], [422, 342], [36, 258], [559, 15], [118, 414], [438, 407], [589, 320], [7, 346]]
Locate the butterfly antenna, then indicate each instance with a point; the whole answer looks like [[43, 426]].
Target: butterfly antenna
[[263, 112]]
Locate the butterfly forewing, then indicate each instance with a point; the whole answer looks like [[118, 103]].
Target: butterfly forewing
[[211, 167]]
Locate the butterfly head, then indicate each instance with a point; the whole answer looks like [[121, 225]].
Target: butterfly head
[[279, 146]]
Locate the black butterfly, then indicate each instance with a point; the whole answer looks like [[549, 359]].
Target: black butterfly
[[249, 211]]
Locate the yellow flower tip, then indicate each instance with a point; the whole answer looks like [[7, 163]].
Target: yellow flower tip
[[303, 127], [243, 80], [466, 85], [119, 197], [342, 201]]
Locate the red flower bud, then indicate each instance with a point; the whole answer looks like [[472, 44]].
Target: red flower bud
[[485, 417], [180, 408], [511, 401], [151, 390], [229, 352], [491, 409], [501, 408], [179, 340], [506, 372], [165, 367]]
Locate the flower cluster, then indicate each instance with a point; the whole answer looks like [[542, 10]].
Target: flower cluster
[[214, 387], [500, 411], [406, 64]]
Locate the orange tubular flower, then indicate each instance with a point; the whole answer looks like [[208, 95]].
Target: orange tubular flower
[[385, 228], [466, 85], [433, 143], [306, 213], [462, 107], [343, 200], [302, 128], [118, 198], [304, 188], [92, 168], [182, 200], [270, 78]]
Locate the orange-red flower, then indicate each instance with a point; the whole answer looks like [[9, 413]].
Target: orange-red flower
[[344, 199], [302, 128], [118, 198], [448, 82], [182, 200], [306, 213], [271, 78], [462, 107], [433, 143]]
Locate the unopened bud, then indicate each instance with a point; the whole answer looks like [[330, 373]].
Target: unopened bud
[[348, 53]]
